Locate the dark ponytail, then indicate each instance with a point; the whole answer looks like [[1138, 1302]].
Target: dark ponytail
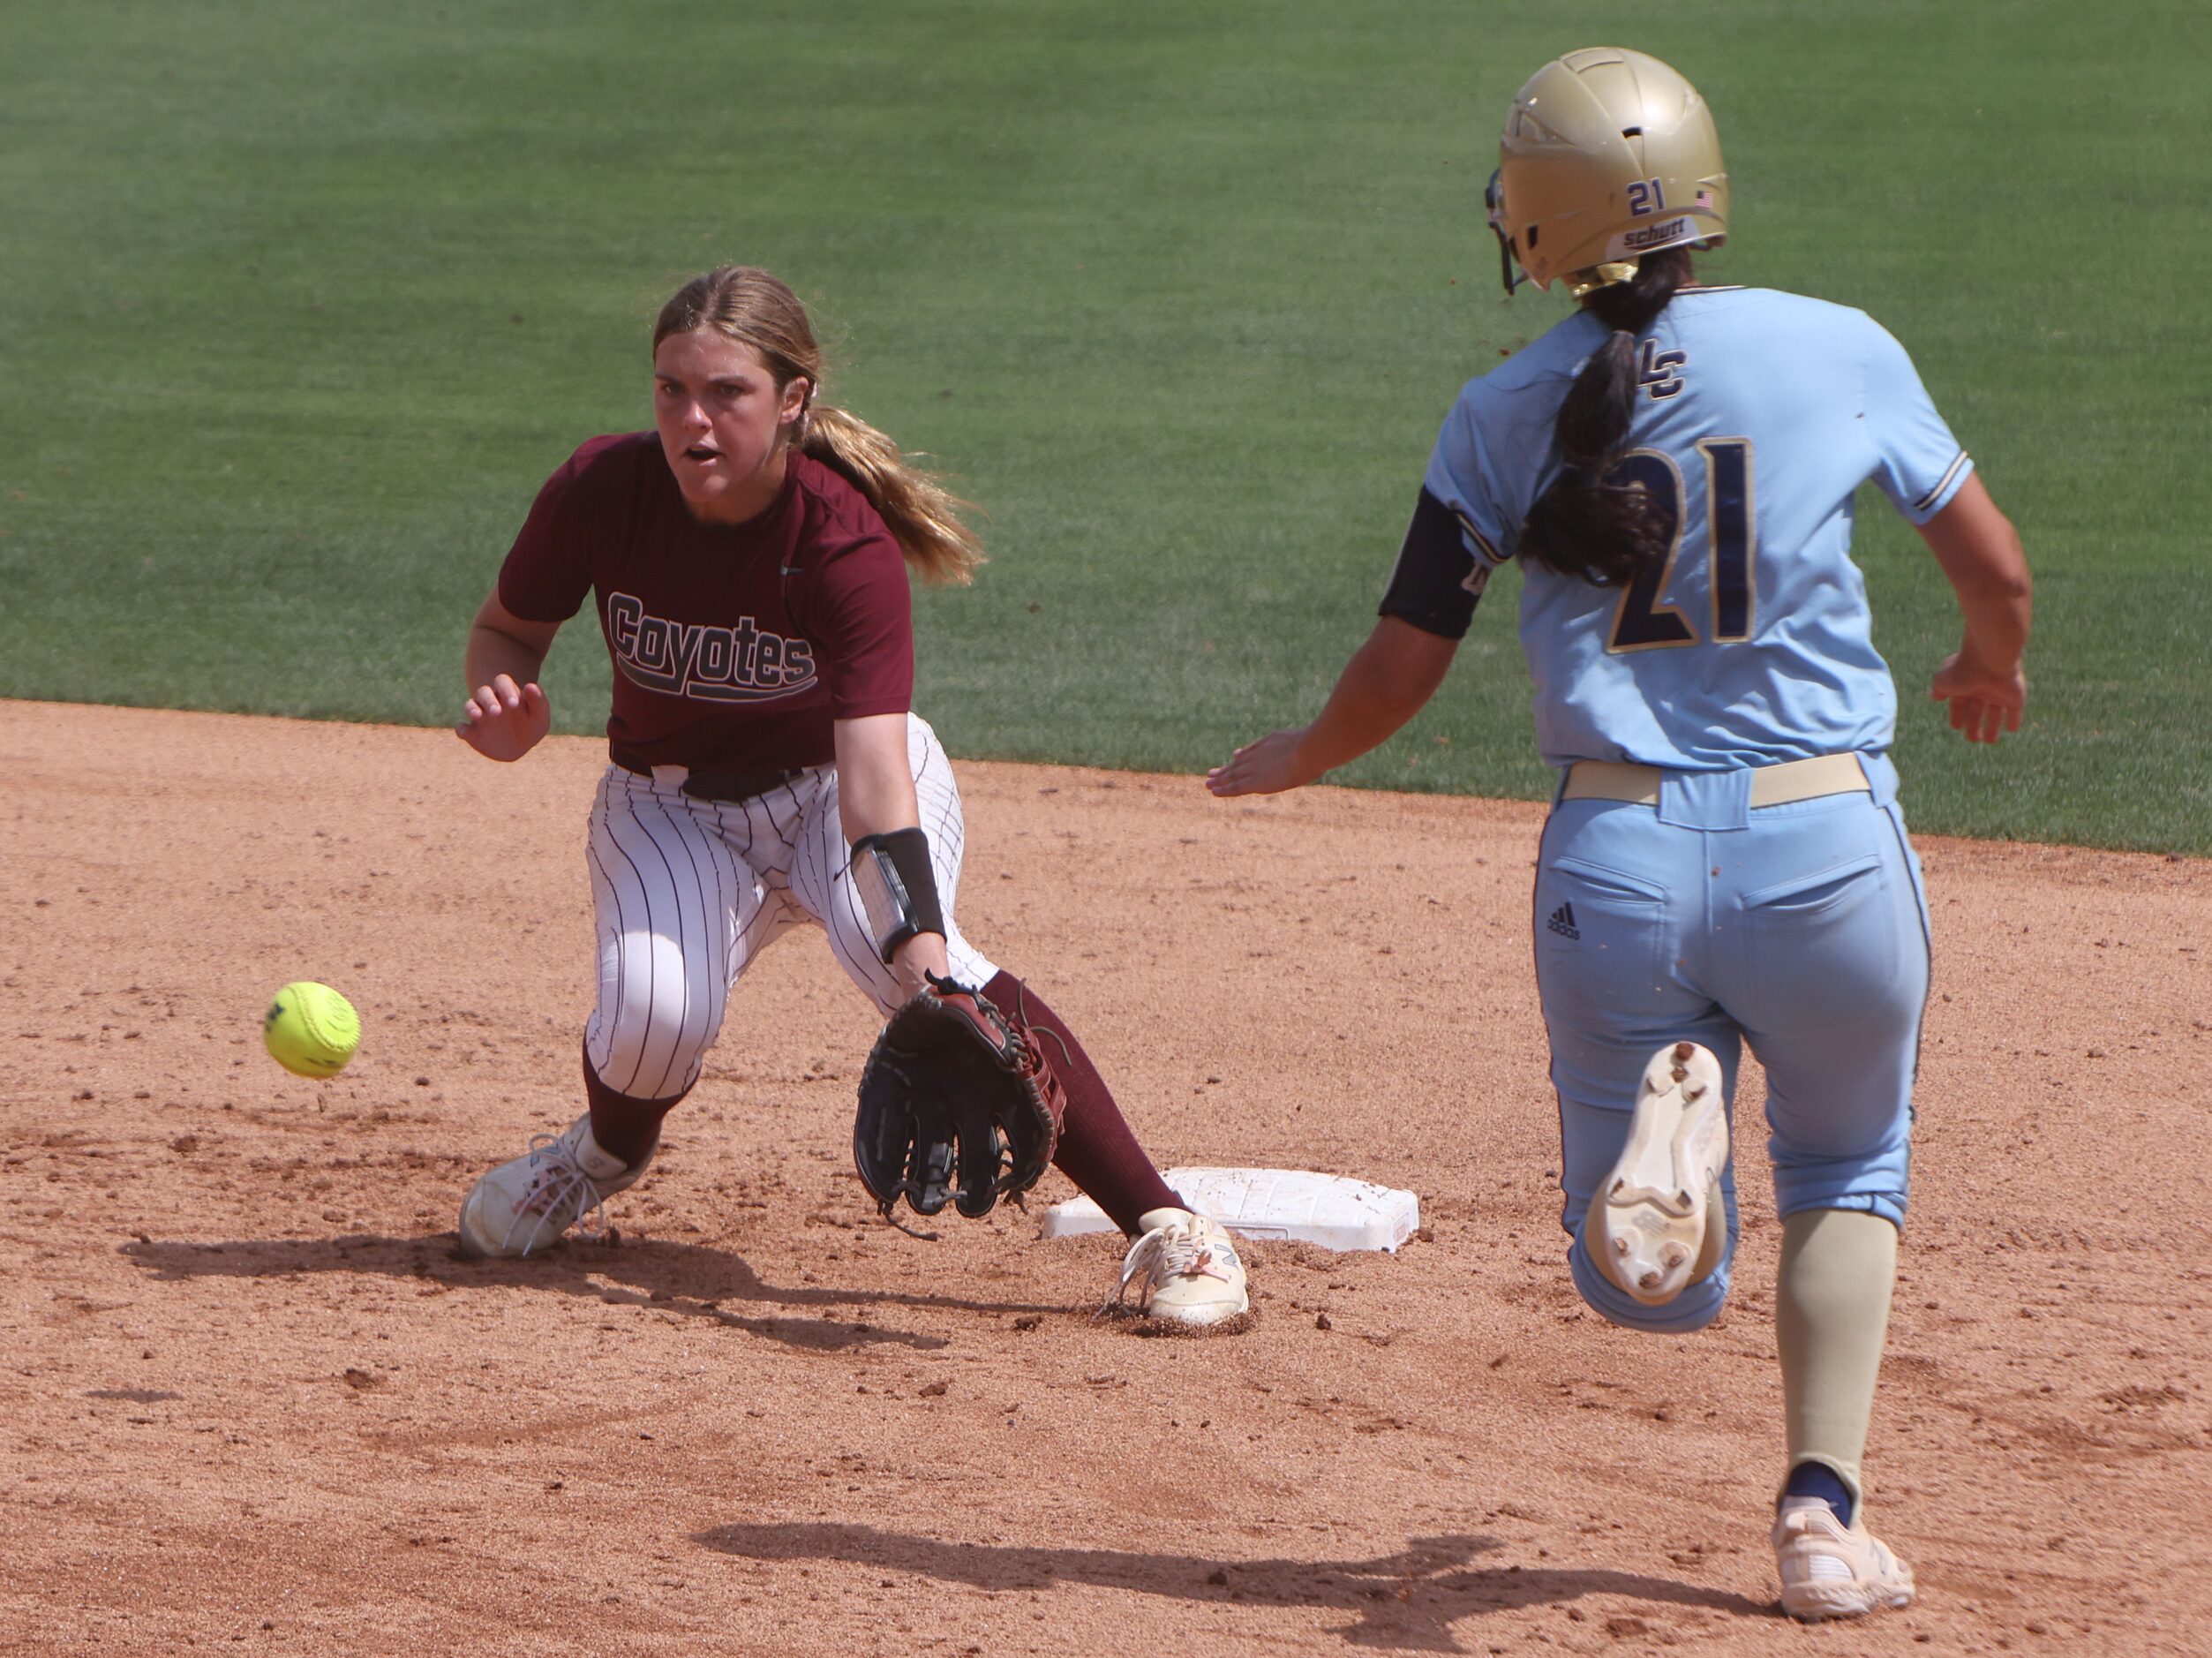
[[1582, 526]]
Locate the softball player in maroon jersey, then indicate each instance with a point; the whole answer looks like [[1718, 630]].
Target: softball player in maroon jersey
[[748, 562]]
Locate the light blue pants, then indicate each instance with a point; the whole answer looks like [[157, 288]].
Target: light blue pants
[[1802, 929]]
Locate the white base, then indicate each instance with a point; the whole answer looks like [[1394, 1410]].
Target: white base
[[1329, 1210]]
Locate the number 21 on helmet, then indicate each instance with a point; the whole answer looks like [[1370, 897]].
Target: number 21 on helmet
[[1607, 155]]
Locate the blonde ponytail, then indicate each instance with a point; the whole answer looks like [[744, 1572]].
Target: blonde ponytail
[[747, 305], [922, 515]]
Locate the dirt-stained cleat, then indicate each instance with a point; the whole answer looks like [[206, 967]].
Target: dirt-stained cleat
[[1658, 1222], [1184, 1268], [526, 1204], [1830, 1570]]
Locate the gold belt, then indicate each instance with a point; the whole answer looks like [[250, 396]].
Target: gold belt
[[1770, 785]]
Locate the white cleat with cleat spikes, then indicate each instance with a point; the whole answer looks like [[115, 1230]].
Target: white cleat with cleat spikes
[[1657, 1226]]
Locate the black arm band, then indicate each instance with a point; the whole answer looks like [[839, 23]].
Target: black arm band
[[898, 888], [1436, 581]]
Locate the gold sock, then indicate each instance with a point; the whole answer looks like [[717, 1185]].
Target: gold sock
[[1832, 1310]]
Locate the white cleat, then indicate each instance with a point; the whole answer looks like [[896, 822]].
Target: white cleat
[[1656, 1226], [1185, 1269], [1830, 1570], [526, 1204]]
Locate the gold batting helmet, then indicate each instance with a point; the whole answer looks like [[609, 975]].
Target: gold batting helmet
[[1609, 154]]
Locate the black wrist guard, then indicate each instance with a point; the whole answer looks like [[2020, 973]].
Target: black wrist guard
[[898, 888]]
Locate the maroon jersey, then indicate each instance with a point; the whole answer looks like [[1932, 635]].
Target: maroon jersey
[[734, 645]]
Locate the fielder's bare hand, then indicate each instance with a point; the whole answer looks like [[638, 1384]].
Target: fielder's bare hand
[[505, 721], [1985, 702]]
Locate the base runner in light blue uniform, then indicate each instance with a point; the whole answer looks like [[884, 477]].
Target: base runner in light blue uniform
[[1726, 863]]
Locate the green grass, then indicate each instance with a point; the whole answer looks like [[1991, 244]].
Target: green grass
[[300, 302]]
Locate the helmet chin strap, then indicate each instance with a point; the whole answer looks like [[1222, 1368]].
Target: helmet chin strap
[[1510, 272]]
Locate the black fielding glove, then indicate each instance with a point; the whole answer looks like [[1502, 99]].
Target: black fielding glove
[[957, 1104]]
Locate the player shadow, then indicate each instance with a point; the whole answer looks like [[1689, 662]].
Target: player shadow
[[691, 1280], [1406, 1600]]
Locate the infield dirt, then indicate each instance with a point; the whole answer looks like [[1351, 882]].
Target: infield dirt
[[254, 1402]]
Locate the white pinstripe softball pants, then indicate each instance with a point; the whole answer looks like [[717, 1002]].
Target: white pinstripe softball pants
[[687, 892]]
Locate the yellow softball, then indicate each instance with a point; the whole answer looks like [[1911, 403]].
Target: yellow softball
[[310, 1029]]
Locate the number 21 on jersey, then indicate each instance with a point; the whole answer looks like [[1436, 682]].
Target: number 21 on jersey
[[1642, 621]]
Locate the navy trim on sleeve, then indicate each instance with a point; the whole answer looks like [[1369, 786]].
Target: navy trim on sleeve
[[1943, 483], [1436, 581]]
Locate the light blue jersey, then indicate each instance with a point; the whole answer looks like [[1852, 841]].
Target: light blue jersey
[[1760, 413], [1798, 927]]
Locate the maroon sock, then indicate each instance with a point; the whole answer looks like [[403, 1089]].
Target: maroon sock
[[1097, 1150], [624, 1125]]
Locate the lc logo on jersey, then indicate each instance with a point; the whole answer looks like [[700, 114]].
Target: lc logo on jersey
[[744, 664], [1660, 373]]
